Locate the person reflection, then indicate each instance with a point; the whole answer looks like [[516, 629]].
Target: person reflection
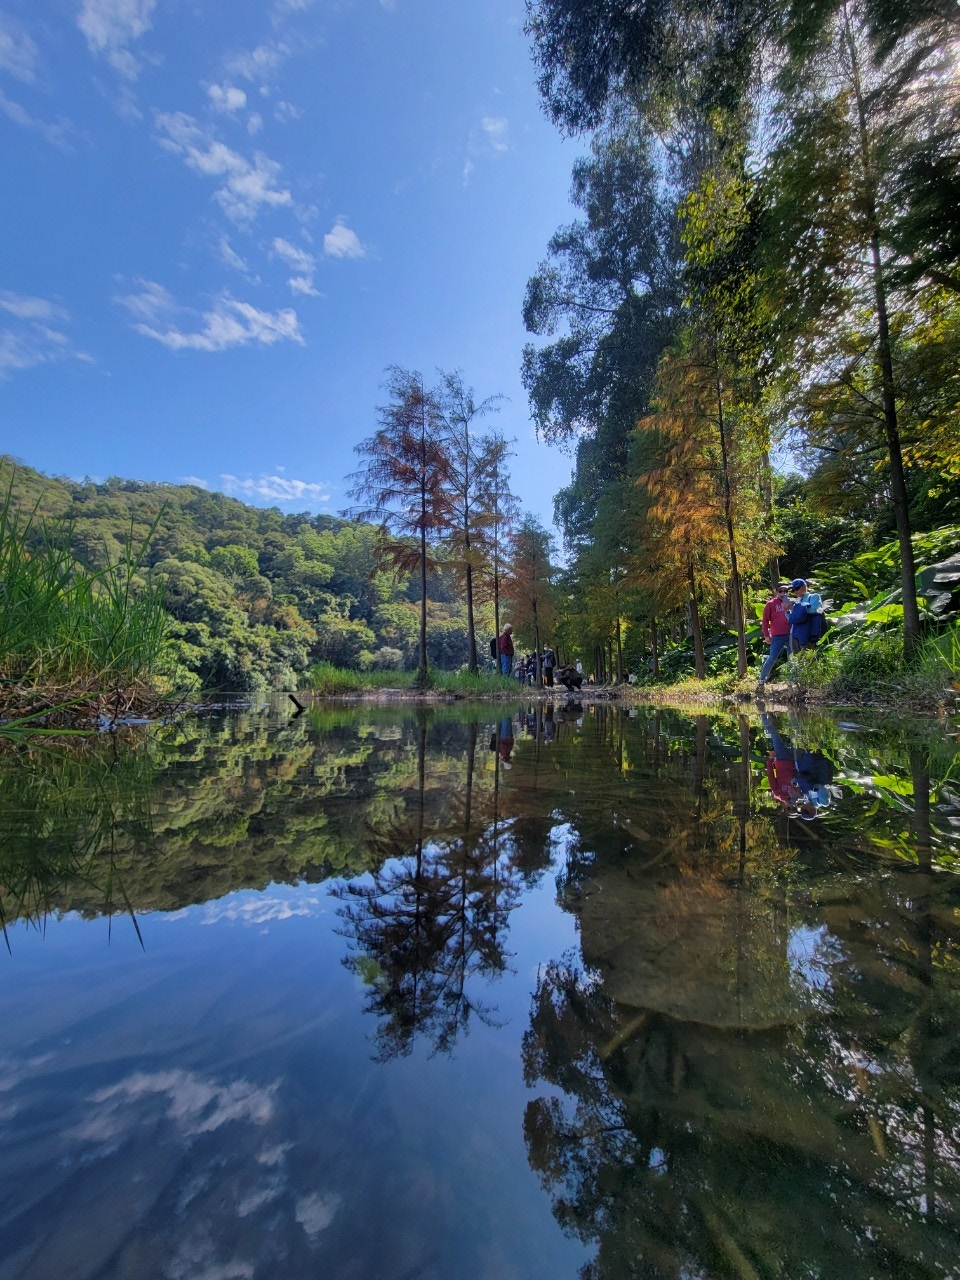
[[505, 742], [797, 778]]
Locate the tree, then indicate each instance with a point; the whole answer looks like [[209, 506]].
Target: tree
[[528, 581], [839, 184], [470, 459], [405, 482], [500, 510]]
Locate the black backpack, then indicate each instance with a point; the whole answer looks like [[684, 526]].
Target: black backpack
[[818, 624], [493, 646]]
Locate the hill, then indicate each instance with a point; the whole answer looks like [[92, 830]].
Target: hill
[[256, 595]]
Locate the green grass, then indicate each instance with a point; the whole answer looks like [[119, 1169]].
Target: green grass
[[62, 624]]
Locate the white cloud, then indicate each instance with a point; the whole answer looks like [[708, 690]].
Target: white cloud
[[341, 242], [303, 264], [194, 480], [294, 257], [258, 64], [248, 184], [228, 323], [28, 339], [277, 489], [58, 134], [262, 910], [111, 25], [19, 55], [285, 111], [226, 97], [497, 130], [303, 285], [230, 258], [254, 123], [315, 1212], [152, 304], [194, 1104], [27, 308]]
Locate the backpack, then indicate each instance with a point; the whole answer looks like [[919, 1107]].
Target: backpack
[[819, 624], [493, 646]]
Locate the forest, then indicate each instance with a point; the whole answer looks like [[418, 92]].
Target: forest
[[748, 341], [749, 338]]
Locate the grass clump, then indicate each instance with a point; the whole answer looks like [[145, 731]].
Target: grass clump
[[70, 635]]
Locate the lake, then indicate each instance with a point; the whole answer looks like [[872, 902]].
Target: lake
[[534, 992]]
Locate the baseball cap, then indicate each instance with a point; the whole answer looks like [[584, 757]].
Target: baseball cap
[[798, 582]]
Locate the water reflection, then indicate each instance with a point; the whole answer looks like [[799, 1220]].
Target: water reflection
[[755, 1050], [741, 1049], [433, 916]]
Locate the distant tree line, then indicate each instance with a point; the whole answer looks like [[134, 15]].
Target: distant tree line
[[254, 597]]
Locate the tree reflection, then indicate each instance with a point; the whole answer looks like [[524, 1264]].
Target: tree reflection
[[751, 1075], [432, 918]]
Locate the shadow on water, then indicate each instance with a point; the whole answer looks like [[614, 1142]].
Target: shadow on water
[[747, 1065]]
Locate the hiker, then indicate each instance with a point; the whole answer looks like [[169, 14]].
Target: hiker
[[570, 678], [775, 625], [549, 662], [806, 616], [505, 648]]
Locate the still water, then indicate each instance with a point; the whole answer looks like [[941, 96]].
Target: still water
[[378, 994]]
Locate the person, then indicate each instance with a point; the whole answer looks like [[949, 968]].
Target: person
[[806, 604], [775, 625], [505, 647], [521, 670], [549, 662], [570, 678]]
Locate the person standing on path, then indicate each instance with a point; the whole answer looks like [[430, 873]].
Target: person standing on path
[[775, 625], [549, 662], [505, 647], [806, 604]]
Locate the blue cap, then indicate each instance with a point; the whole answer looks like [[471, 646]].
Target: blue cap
[[797, 582]]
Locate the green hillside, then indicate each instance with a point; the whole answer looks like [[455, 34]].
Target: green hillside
[[256, 595]]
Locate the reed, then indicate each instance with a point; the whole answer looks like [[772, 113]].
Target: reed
[[63, 626]]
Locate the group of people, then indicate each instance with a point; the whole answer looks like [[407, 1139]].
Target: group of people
[[792, 620], [532, 667]]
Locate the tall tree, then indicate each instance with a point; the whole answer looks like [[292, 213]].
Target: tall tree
[[500, 511], [405, 482], [528, 582], [470, 456], [839, 202]]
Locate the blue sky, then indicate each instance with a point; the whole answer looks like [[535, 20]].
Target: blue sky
[[223, 219]]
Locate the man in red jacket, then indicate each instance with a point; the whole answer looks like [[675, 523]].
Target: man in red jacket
[[505, 646], [775, 625]]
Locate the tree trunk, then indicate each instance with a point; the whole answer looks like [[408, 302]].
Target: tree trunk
[[473, 663], [736, 587], [891, 425], [422, 667], [699, 660]]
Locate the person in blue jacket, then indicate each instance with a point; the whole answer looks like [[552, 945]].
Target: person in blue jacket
[[803, 617]]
